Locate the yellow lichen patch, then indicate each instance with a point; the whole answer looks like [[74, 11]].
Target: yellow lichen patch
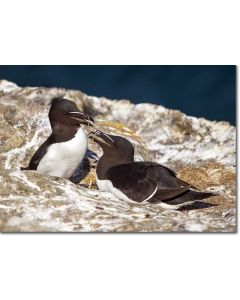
[[2, 109], [207, 175], [117, 126], [12, 142], [10, 137], [223, 201], [90, 179]]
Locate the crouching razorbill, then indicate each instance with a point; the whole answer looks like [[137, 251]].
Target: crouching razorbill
[[65, 148], [141, 182]]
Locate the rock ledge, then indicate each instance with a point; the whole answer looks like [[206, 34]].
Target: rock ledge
[[200, 151]]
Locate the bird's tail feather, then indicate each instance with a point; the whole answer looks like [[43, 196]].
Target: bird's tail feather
[[189, 196]]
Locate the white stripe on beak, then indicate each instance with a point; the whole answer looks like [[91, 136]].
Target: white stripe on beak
[[97, 138], [78, 113], [84, 117], [109, 138]]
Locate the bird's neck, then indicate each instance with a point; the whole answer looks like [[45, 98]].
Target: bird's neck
[[62, 133], [106, 162]]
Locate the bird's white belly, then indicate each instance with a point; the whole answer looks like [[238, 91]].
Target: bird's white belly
[[107, 186], [175, 206], [62, 159]]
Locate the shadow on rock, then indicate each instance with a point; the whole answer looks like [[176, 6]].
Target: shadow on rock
[[197, 205]]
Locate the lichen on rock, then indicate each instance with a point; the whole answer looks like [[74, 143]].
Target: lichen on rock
[[202, 152]]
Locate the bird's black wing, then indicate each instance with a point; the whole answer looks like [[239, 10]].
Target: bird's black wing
[[38, 155], [146, 180], [132, 179], [165, 177]]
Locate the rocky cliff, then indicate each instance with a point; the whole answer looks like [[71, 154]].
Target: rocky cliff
[[200, 151]]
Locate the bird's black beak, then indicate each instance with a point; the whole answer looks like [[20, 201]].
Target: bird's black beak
[[100, 137], [81, 117]]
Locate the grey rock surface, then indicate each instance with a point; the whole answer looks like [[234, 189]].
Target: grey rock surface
[[202, 152]]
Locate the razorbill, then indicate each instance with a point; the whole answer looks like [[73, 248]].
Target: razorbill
[[65, 148], [141, 182]]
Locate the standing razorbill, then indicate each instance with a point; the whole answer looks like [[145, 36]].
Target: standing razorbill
[[65, 148], [142, 182]]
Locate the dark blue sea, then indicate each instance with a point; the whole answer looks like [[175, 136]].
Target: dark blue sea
[[201, 91]]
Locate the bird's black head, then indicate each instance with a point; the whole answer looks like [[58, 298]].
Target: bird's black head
[[66, 112], [115, 148]]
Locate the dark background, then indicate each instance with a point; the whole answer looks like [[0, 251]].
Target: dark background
[[201, 91]]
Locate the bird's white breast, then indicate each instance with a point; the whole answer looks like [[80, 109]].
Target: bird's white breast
[[107, 186], [63, 158]]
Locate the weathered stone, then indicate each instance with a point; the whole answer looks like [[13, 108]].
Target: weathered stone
[[200, 151]]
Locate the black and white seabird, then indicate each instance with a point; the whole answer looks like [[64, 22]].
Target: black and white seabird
[[141, 182], [65, 148]]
